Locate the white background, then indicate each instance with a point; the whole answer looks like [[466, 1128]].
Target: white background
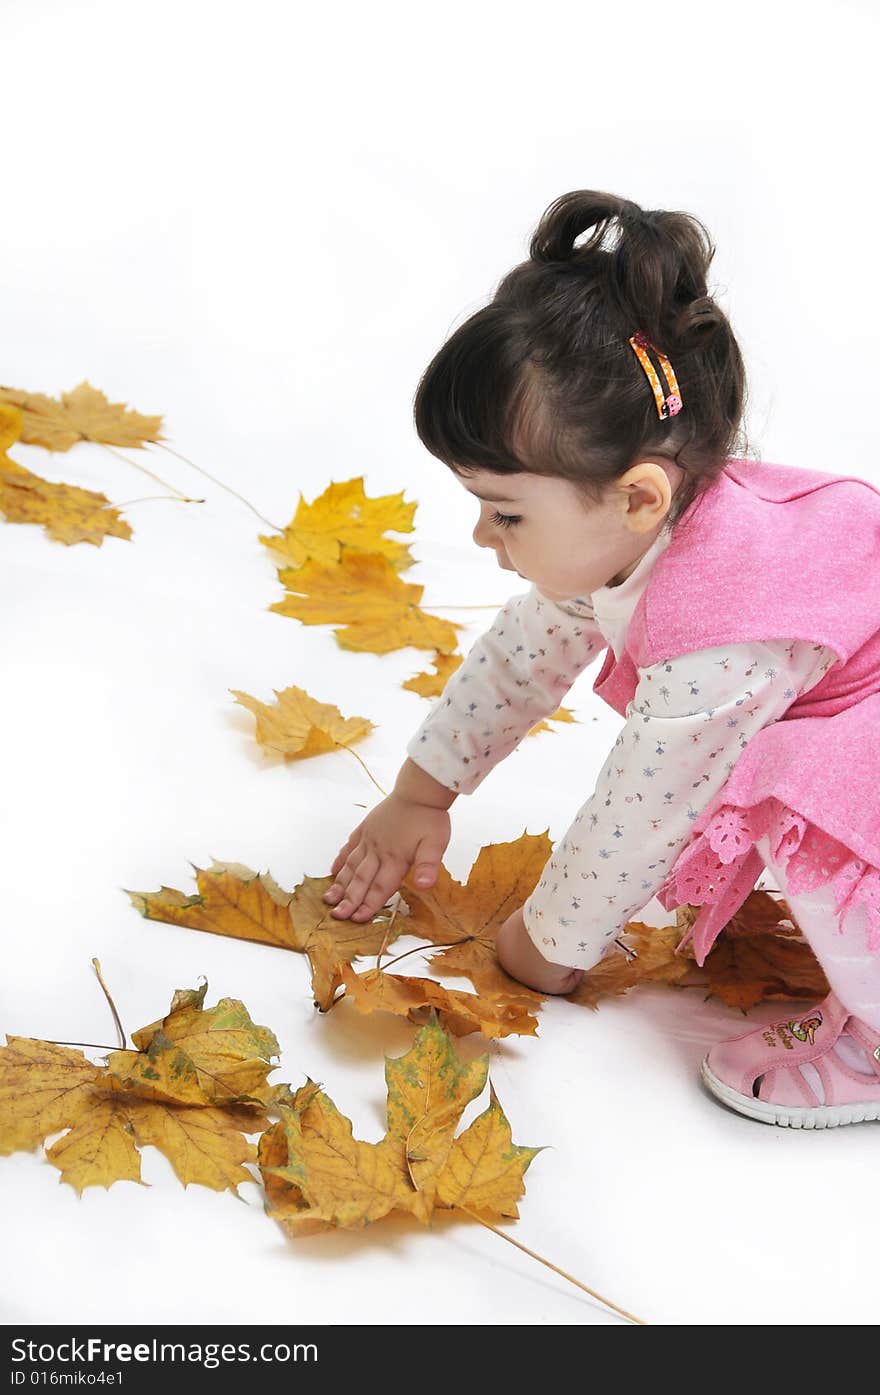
[[262, 222]]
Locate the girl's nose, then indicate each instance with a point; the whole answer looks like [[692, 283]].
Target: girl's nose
[[481, 533]]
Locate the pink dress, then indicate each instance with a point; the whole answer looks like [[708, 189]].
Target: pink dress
[[766, 551]]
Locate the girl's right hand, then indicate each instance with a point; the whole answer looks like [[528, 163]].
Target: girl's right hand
[[398, 834]]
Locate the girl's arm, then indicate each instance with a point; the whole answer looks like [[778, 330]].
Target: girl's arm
[[514, 674], [687, 725]]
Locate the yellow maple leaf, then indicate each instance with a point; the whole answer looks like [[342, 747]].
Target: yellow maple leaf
[[298, 726], [493, 1014], [317, 1175], [234, 901], [344, 514], [468, 916], [11, 422], [346, 1181], [562, 714], [362, 593], [108, 1114], [428, 1090], [42, 1086], [484, 1168], [197, 1056], [430, 685], [85, 414], [69, 514]]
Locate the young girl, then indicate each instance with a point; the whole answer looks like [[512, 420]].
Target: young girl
[[740, 608]]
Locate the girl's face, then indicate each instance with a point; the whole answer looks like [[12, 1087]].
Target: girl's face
[[545, 530]]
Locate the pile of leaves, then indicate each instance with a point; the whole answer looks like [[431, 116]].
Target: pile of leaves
[[196, 1087], [761, 954]]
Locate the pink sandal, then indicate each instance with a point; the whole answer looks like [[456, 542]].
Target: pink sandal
[[803, 1073]]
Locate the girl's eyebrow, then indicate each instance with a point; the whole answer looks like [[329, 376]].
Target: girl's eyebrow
[[493, 498]]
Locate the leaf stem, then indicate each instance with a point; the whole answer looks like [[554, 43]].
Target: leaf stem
[[366, 767], [213, 478], [420, 949], [119, 1027], [153, 476], [555, 1267], [387, 929], [145, 498]]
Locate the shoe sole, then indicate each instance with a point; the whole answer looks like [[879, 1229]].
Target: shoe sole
[[822, 1116]]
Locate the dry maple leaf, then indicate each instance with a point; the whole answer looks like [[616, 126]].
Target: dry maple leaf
[[82, 415], [562, 714], [759, 955], [318, 1176], [654, 961], [344, 514], [299, 726], [431, 685], [45, 1088], [363, 594], [468, 916], [428, 1090], [11, 421], [198, 1056], [69, 514], [493, 1014], [233, 900]]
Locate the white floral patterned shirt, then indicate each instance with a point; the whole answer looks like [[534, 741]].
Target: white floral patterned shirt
[[689, 720]]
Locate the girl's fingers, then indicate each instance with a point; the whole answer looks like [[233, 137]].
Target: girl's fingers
[[387, 880], [343, 853], [345, 873], [362, 878]]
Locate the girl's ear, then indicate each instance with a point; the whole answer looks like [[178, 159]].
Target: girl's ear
[[646, 495]]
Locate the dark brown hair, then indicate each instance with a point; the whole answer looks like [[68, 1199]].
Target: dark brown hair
[[544, 379]]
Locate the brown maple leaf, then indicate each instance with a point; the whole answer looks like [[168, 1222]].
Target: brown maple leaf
[[493, 1014], [109, 1112], [653, 960], [318, 1176], [759, 955], [298, 726], [344, 514], [363, 595], [84, 414], [233, 900]]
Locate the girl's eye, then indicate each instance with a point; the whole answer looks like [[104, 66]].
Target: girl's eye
[[505, 520]]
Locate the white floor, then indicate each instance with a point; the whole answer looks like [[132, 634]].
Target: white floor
[[126, 758], [267, 227]]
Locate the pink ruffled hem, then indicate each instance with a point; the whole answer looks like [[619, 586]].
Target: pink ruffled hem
[[721, 866]]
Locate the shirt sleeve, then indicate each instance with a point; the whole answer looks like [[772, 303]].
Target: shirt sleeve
[[688, 722], [514, 674]]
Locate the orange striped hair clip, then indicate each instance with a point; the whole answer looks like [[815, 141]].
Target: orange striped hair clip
[[671, 404]]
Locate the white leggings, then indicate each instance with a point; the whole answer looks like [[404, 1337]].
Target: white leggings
[[852, 970]]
